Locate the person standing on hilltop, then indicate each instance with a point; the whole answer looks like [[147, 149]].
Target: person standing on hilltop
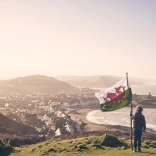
[[139, 125]]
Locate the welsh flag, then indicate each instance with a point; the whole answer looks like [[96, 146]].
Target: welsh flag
[[116, 97]]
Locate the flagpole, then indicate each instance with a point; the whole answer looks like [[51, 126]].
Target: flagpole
[[130, 115]]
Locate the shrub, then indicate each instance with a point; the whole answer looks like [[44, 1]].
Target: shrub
[[5, 148], [110, 141]]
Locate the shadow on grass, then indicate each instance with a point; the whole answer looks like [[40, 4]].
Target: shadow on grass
[[6, 151], [146, 152]]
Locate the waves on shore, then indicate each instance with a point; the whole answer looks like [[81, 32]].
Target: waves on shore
[[121, 117]]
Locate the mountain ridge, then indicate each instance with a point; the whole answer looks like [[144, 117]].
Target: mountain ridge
[[12, 125], [96, 81], [34, 83]]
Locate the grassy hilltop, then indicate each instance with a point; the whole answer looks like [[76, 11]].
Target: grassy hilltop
[[106, 145]]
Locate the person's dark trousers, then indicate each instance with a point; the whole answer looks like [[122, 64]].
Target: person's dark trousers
[[137, 139]]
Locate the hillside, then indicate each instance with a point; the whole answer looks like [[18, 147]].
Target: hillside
[[33, 83], [107, 145], [96, 81], [10, 126]]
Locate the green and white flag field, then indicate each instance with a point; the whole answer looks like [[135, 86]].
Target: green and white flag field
[[116, 97]]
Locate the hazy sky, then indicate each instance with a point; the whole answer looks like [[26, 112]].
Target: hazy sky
[[78, 37]]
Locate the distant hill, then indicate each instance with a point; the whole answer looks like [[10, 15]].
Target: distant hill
[[11, 125], [33, 83], [96, 81]]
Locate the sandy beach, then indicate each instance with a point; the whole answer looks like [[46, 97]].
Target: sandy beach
[[118, 120], [90, 126]]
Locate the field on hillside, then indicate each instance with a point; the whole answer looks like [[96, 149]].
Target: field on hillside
[[104, 145]]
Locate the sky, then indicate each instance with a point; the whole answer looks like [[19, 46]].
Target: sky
[[78, 37]]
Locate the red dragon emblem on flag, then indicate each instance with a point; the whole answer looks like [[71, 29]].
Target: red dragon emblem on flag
[[114, 98]]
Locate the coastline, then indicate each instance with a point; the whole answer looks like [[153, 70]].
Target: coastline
[[122, 131]]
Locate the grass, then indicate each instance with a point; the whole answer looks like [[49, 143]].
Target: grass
[[89, 146]]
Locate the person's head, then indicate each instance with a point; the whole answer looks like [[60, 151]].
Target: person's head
[[139, 109]]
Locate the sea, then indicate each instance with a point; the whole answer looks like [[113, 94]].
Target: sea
[[139, 89], [122, 117]]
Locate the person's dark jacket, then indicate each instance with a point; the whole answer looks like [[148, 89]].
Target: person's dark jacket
[[139, 122]]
